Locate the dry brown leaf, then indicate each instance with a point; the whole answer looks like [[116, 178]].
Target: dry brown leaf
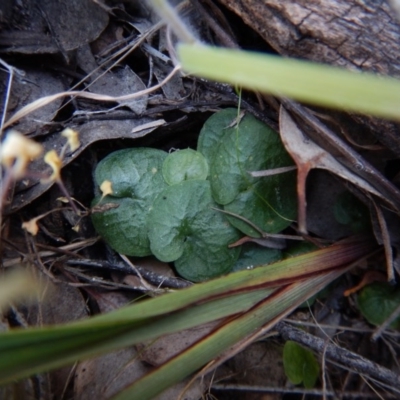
[[308, 155]]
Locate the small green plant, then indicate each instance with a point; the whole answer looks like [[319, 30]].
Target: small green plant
[[168, 204], [378, 301], [300, 365]]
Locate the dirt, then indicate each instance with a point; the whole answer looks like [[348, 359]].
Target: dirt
[[117, 48]]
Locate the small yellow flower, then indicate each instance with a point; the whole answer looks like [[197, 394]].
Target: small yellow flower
[[17, 151], [31, 226], [106, 188], [51, 158], [72, 138]]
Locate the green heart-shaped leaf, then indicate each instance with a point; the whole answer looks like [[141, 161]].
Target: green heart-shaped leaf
[[377, 302], [183, 165], [136, 180], [300, 365], [184, 228], [234, 147], [252, 146], [269, 204], [123, 227], [213, 130]]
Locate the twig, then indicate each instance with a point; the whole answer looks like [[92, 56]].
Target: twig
[[286, 390], [341, 355], [43, 101], [150, 276], [11, 71]]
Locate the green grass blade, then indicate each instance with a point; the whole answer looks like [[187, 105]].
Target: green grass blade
[[305, 81], [33, 350], [54, 347], [198, 355]]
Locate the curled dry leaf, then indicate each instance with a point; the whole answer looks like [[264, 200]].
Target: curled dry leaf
[[308, 155]]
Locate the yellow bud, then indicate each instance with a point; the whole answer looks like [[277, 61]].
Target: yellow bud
[[51, 158], [106, 188], [72, 138], [17, 151], [31, 226]]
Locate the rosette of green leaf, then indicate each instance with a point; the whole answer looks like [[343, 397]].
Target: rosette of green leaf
[[183, 227], [253, 255], [136, 180], [234, 146], [378, 301], [183, 165]]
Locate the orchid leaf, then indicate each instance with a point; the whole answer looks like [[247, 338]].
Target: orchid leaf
[[184, 227], [300, 365], [213, 131], [183, 165], [234, 145], [136, 179], [270, 204], [378, 301]]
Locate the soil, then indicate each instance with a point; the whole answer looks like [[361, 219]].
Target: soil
[[118, 48]]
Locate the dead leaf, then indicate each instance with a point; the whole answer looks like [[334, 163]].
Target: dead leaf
[[308, 155], [51, 26], [105, 376], [119, 83], [33, 85]]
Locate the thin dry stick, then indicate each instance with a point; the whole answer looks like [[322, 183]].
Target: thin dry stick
[[386, 243], [271, 172], [344, 357], [255, 227], [131, 47], [169, 15], [43, 101], [371, 387], [295, 390], [323, 367], [74, 246]]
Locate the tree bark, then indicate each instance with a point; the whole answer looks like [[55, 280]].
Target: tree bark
[[356, 34]]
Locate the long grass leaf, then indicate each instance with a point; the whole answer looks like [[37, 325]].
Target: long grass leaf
[[181, 366], [305, 81], [24, 352]]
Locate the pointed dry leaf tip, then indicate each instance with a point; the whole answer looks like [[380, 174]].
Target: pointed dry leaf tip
[[17, 151], [72, 138], [106, 188], [31, 226], [51, 158]]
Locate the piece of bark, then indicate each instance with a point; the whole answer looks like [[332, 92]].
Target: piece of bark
[[353, 34]]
